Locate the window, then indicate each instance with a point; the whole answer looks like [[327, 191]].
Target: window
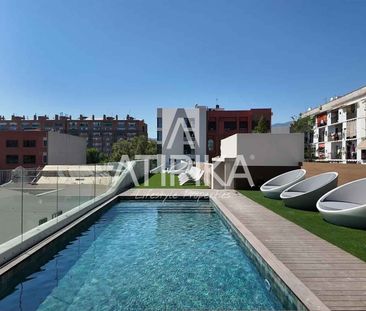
[[29, 159], [243, 124], [159, 136], [11, 143], [45, 143], [189, 122], [363, 154], [229, 125], [159, 122], [210, 145], [187, 150], [191, 134], [212, 125], [12, 159], [29, 143], [44, 159], [159, 149]]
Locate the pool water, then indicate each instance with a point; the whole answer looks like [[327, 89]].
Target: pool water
[[148, 255]]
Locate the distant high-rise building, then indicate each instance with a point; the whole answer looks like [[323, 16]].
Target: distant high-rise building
[[99, 133]]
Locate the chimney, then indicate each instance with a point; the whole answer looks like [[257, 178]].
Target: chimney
[[104, 116], [35, 117], [217, 106], [93, 117], [56, 117], [81, 117], [116, 116]]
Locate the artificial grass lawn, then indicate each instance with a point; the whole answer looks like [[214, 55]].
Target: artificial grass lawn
[[350, 240], [155, 182]]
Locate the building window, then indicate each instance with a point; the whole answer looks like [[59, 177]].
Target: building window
[[210, 144], [12, 159], [159, 136], [159, 122], [229, 125], [45, 143], [44, 159], [188, 150], [29, 143], [29, 159], [11, 143], [243, 124], [363, 154], [159, 148], [189, 122], [212, 126]]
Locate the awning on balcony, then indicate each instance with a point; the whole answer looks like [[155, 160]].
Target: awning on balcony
[[362, 145]]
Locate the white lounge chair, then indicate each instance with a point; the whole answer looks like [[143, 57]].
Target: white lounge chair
[[275, 186], [345, 205], [193, 174], [176, 169], [306, 193]]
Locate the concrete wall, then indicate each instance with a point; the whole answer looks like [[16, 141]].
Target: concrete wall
[[64, 149], [266, 156], [207, 176], [265, 149]]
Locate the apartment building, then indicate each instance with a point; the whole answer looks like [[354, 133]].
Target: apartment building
[[182, 131], [32, 149], [99, 133], [178, 127], [339, 133]]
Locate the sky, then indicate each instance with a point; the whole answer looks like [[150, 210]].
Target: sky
[[130, 57]]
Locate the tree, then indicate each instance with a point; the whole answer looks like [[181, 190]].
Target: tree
[[138, 145], [305, 125], [93, 156], [302, 125], [262, 126]]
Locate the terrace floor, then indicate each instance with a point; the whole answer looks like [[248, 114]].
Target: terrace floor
[[322, 275]]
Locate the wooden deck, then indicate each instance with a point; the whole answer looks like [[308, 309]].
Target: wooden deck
[[347, 172], [320, 274]]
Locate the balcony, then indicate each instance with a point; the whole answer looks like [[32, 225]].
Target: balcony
[[351, 112]]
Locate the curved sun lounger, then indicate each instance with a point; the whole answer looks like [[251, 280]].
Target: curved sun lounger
[[193, 174], [345, 205], [176, 169], [306, 193], [275, 186]]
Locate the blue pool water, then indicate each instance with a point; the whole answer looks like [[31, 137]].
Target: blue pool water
[[146, 255]]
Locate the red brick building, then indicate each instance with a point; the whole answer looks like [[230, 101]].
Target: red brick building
[[100, 133], [32, 149], [27, 149], [223, 123]]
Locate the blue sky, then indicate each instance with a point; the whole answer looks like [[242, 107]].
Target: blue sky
[[119, 57]]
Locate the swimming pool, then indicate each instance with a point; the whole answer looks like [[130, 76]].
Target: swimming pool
[[174, 255]]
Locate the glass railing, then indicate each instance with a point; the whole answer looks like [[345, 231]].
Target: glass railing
[[30, 198]]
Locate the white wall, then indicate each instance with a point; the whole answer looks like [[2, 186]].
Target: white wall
[[66, 149], [265, 149]]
